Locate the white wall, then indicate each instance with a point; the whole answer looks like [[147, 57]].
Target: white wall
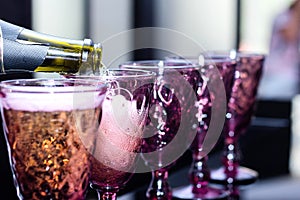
[[110, 22], [63, 18], [209, 22]]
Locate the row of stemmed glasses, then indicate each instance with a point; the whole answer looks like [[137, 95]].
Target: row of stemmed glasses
[[171, 107], [241, 98], [240, 72], [64, 133], [212, 74], [117, 136], [176, 118], [171, 125], [58, 143]]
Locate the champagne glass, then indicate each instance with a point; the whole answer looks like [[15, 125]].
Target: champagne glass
[[214, 71], [173, 124], [48, 125], [119, 136], [241, 107]]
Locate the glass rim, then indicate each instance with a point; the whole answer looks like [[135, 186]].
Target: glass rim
[[136, 73], [239, 54], [52, 85], [210, 60], [156, 64]]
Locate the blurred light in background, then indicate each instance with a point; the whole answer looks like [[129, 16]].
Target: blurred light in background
[[212, 23], [256, 23], [63, 18]]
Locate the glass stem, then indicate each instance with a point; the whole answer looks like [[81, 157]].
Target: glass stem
[[231, 154], [107, 195], [199, 173], [234, 192], [159, 187]]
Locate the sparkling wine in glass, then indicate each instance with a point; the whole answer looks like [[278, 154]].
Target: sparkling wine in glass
[[172, 126], [241, 107], [119, 137], [49, 125]]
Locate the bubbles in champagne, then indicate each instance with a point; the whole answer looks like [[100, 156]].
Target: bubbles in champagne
[[118, 139], [47, 128], [120, 133]]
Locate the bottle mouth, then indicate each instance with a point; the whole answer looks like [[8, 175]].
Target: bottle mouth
[[86, 49], [91, 58]]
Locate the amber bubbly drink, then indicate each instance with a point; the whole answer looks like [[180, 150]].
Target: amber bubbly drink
[[49, 126]]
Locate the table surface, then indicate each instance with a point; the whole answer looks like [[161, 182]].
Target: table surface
[[285, 187], [277, 188]]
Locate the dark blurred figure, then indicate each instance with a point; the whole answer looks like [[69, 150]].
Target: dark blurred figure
[[281, 73], [270, 134]]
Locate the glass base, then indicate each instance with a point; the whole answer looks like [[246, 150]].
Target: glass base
[[185, 192], [245, 176]]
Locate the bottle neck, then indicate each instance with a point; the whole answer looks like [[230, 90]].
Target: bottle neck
[[84, 61], [68, 55], [60, 46], [55, 41]]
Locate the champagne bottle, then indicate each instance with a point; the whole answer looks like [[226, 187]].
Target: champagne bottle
[[39, 52]]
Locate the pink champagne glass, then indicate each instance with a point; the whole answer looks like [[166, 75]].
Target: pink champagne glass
[[119, 137], [172, 123], [48, 146], [220, 71], [241, 107]]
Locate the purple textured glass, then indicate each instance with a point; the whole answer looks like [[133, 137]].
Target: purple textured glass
[[241, 107]]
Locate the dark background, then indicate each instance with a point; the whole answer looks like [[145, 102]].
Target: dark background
[[19, 13]]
